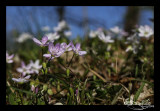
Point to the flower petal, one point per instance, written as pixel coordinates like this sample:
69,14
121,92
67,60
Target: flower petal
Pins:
9,61
47,55
27,77
15,79
78,45
82,52
51,47
37,41
44,39
11,56
19,70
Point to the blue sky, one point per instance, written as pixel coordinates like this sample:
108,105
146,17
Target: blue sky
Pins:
109,15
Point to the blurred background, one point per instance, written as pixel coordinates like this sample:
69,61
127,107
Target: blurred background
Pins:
80,19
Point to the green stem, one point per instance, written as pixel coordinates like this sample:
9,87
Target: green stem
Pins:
42,54
70,60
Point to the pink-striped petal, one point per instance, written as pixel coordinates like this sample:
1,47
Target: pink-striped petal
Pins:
37,41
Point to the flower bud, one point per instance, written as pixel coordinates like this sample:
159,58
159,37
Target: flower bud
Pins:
68,71
58,87
44,65
130,86
50,92
94,77
46,71
42,71
32,88
45,87
36,83
88,95
36,90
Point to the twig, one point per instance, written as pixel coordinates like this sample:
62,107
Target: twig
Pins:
95,73
10,87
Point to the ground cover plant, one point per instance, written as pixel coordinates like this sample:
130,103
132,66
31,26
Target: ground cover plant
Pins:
108,67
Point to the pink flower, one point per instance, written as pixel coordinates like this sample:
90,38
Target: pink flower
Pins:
42,42
9,58
77,49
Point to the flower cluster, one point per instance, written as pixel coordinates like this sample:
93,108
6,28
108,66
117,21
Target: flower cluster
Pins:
31,68
9,59
59,49
118,31
94,34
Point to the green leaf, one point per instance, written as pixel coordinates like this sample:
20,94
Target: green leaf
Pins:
12,99
24,91
138,92
83,91
41,102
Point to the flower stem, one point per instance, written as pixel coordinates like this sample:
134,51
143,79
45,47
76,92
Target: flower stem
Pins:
42,54
70,60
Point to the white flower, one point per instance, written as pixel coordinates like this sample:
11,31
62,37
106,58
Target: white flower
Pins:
116,29
145,31
92,34
21,79
35,67
52,36
23,37
9,58
24,69
68,33
46,28
61,25
106,39
57,29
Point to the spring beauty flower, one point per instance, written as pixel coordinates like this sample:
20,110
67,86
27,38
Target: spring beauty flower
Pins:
118,32
35,67
106,39
93,34
68,33
61,26
66,47
55,51
42,42
145,31
116,29
52,36
77,50
23,37
22,79
24,69
9,58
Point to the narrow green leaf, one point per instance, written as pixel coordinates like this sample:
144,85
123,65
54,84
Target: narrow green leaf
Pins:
138,92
